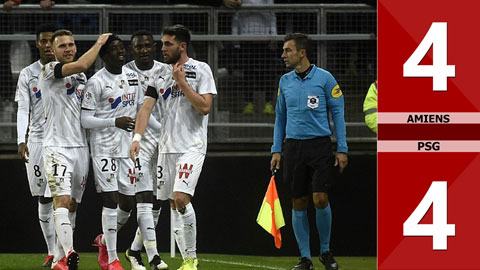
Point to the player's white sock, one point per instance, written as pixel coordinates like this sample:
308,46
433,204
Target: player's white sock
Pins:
122,218
45,217
178,231
156,215
58,253
147,227
72,216
109,226
63,228
190,231
137,243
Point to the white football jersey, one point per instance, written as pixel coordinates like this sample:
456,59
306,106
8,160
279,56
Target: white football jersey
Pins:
150,137
112,96
62,100
27,90
184,128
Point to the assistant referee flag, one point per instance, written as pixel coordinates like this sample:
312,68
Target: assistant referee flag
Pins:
270,216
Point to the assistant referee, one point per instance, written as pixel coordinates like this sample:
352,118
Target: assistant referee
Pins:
305,97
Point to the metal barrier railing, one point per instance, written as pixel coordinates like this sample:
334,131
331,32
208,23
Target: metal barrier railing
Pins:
246,65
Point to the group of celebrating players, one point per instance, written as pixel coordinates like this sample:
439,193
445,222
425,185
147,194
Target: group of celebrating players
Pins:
146,123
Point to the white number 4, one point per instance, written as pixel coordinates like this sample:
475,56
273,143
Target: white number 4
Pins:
440,71
436,195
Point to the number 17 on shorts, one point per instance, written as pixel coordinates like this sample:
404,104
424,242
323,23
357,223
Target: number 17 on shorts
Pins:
428,135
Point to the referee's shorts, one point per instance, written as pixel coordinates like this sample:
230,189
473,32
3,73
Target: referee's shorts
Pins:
308,165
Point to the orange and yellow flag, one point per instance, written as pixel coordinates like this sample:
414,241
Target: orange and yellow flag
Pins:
270,216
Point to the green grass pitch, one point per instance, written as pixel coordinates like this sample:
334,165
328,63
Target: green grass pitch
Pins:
88,261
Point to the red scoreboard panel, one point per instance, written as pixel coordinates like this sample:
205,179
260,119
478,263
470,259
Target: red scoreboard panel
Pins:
428,134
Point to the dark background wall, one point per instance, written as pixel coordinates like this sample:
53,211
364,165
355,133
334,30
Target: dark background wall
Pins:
227,200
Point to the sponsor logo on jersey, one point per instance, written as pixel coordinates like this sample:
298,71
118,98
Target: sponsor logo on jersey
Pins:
131,75
176,91
114,102
133,82
187,66
70,89
165,93
186,170
79,93
336,91
191,74
38,93
125,99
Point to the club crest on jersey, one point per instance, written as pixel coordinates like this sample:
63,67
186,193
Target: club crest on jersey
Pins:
186,170
38,93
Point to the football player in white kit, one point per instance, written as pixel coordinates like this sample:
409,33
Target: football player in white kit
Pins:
65,151
108,110
185,97
143,49
30,115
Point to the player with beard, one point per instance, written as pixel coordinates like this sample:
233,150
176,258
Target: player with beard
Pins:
185,97
30,116
108,110
143,49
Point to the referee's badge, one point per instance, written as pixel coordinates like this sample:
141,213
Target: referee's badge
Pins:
312,102
336,91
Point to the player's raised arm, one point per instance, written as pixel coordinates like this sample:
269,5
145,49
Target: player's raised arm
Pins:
143,117
85,61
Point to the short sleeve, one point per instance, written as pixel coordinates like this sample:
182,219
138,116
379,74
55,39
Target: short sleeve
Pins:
206,82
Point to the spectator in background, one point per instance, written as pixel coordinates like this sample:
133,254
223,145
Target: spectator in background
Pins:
370,107
256,56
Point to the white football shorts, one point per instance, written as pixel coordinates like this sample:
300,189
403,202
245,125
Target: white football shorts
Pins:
146,170
178,172
114,174
37,179
66,169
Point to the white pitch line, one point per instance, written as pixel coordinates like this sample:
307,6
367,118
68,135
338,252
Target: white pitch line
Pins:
242,264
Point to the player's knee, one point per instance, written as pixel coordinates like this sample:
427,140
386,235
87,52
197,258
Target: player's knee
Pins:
73,205
62,201
181,200
320,200
172,205
110,199
126,203
144,197
300,204
44,200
